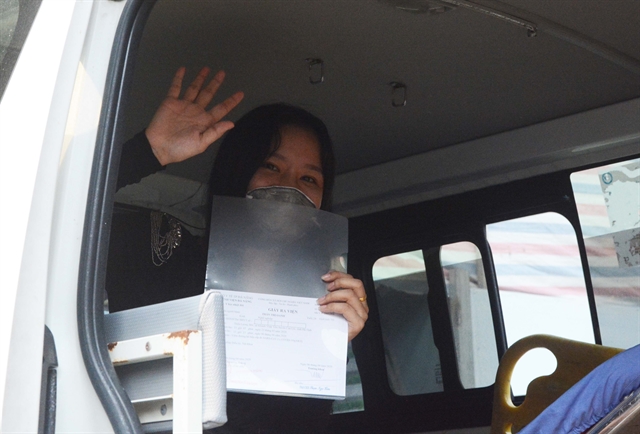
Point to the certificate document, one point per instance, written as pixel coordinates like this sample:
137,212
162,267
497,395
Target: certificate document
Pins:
266,259
283,345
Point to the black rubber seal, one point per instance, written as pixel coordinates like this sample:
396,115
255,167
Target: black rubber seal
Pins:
95,241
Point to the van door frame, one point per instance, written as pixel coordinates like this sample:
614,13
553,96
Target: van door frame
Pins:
95,243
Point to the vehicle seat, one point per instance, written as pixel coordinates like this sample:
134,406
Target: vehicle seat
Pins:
574,361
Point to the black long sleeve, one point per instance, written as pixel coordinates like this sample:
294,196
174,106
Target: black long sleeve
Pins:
132,278
137,161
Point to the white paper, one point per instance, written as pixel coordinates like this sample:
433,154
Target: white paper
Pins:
283,345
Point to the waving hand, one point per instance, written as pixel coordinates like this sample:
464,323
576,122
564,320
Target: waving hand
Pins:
182,127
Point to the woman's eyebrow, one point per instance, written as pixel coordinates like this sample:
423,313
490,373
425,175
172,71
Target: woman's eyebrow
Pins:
278,156
314,168
281,157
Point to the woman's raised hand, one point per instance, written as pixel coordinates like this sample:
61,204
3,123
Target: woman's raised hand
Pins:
346,297
182,127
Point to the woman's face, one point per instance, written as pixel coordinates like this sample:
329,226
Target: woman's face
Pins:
296,163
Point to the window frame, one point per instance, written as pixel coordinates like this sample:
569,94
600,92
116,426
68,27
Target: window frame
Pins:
97,226
427,226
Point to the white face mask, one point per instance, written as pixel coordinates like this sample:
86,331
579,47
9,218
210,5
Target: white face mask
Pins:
281,194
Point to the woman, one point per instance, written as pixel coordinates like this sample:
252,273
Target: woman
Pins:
275,145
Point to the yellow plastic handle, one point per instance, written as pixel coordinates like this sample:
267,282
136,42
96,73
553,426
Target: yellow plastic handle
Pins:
575,360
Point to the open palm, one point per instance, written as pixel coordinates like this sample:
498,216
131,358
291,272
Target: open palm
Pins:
182,127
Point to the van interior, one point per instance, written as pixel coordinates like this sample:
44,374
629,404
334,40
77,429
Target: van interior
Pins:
484,150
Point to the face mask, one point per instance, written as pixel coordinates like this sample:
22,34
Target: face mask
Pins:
281,194
283,222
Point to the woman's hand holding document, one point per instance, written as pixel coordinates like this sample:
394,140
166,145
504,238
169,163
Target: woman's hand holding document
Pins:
267,259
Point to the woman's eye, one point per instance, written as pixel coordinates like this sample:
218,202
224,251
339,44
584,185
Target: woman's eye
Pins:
270,166
309,179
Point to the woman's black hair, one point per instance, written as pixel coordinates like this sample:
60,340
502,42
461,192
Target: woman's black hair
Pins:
256,135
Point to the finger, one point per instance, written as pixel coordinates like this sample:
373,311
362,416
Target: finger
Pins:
345,281
346,296
206,95
194,88
332,275
345,310
356,323
214,132
176,83
222,109
345,288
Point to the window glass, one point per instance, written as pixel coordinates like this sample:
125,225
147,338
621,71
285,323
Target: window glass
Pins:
541,281
412,359
16,17
608,202
470,310
9,18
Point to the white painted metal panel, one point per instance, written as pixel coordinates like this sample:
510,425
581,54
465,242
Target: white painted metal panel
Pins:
49,117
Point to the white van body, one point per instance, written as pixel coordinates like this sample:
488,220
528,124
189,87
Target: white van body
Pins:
49,121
